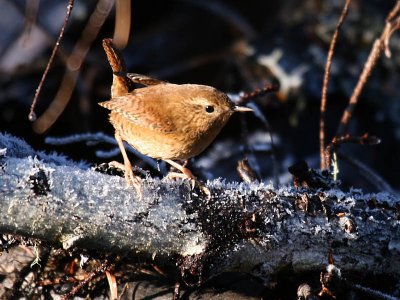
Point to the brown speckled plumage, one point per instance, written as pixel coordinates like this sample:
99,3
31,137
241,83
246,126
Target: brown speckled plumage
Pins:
170,121
163,120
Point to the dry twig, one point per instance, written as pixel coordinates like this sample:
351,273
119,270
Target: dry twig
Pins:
392,24
32,115
380,44
74,63
324,162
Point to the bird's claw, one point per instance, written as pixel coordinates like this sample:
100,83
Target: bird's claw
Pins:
130,178
192,181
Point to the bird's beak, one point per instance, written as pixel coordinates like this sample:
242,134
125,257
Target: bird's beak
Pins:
241,109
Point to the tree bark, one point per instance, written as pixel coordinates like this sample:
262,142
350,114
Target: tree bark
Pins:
241,227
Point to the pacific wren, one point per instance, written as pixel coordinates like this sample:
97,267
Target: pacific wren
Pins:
171,122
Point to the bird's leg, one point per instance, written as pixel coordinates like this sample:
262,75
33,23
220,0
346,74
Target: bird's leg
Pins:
127,166
186,173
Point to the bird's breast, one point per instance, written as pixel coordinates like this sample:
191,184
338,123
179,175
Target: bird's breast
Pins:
181,144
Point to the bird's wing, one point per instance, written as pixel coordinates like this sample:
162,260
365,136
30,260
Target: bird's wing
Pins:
142,110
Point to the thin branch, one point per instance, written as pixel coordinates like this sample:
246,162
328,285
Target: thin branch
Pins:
376,51
32,115
393,13
336,142
99,271
74,63
324,163
244,97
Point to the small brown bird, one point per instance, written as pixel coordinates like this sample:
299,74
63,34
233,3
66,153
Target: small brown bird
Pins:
171,122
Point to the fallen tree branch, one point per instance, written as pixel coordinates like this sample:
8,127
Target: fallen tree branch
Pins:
242,227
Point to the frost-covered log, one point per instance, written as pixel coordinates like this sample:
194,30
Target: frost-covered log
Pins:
242,227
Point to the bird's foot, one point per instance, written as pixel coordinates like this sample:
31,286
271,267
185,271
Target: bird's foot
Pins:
192,179
131,179
186,173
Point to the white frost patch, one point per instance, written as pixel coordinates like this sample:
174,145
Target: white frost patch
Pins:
195,246
318,229
384,197
83,260
288,80
69,240
333,269
336,193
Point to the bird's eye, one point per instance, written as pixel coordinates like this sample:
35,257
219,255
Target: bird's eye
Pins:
209,109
